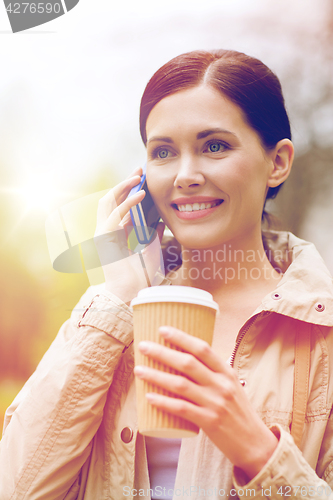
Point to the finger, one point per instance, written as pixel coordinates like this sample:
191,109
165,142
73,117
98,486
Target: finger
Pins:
233,438
197,347
180,361
179,385
123,209
136,171
117,194
181,408
126,221
116,216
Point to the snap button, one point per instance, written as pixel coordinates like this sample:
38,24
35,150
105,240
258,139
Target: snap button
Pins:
126,435
242,382
319,307
276,296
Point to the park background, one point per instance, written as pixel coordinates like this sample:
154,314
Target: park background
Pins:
69,102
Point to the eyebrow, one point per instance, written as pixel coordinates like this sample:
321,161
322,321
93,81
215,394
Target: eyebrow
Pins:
206,133
161,139
200,135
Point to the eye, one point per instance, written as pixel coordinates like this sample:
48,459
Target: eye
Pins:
162,153
215,147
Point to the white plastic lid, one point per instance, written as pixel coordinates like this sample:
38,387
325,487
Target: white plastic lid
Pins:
184,294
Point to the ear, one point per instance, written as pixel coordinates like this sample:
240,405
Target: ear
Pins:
282,159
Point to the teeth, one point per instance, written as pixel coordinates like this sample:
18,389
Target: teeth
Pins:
195,206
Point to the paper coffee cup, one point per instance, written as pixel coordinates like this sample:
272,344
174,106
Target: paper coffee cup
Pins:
189,309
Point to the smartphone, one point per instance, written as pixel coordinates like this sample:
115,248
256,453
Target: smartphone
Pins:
144,215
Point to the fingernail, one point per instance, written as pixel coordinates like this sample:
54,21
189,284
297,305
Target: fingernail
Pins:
164,331
139,371
139,193
150,397
143,346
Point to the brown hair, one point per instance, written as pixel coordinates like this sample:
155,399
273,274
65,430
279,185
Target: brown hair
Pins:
244,80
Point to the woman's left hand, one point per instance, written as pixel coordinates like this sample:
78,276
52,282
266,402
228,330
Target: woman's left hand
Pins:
213,398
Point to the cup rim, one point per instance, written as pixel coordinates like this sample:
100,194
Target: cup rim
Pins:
175,293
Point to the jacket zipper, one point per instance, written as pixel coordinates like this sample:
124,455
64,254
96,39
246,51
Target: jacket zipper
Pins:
241,335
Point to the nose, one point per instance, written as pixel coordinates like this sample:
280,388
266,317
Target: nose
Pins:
189,174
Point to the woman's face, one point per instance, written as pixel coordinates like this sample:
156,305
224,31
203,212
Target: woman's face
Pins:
201,151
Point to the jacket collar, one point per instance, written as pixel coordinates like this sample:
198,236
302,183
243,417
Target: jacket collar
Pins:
306,290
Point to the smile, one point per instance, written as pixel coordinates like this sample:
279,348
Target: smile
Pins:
197,206
196,210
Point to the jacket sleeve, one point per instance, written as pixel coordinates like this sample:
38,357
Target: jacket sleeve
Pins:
49,427
286,474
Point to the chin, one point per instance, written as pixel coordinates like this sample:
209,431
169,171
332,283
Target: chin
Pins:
196,241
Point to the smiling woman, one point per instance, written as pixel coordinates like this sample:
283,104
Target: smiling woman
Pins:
218,145
210,152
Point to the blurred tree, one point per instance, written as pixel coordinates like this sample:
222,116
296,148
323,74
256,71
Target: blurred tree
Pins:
21,316
308,83
309,184
34,299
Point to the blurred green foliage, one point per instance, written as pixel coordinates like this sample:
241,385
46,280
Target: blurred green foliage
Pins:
34,299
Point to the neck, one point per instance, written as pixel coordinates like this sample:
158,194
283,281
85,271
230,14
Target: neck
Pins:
230,267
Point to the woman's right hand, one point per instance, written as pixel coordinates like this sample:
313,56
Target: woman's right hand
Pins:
127,276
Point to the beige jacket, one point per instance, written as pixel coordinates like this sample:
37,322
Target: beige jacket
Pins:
71,433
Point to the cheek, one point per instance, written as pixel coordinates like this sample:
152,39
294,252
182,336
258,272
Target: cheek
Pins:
154,187
157,189
246,175
159,181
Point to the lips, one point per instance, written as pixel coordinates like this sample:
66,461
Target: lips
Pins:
195,209
194,199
